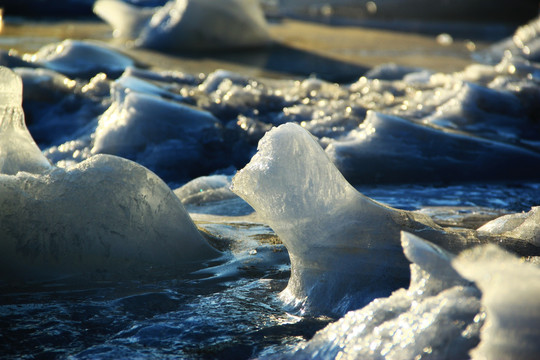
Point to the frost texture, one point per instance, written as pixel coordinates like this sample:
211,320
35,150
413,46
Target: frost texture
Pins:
435,318
189,24
510,292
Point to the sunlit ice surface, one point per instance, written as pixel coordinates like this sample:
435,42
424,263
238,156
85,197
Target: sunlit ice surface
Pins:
231,308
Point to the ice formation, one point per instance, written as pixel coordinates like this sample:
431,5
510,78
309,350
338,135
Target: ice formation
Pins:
510,295
156,132
80,58
107,217
189,24
205,189
524,226
18,151
344,247
386,148
436,317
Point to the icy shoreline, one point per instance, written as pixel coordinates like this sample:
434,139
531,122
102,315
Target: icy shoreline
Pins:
465,138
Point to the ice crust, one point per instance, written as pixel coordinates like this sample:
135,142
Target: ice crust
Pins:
105,218
385,148
189,24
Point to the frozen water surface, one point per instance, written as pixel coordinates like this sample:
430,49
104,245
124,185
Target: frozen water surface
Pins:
450,151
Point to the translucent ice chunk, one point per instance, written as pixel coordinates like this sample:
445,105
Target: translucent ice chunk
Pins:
167,136
344,247
136,119
433,318
18,151
205,189
510,292
104,218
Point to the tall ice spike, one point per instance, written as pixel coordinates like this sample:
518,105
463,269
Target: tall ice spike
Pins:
18,151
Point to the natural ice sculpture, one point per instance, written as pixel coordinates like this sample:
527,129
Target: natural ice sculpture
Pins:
18,151
80,58
344,247
510,295
189,24
525,226
433,318
106,217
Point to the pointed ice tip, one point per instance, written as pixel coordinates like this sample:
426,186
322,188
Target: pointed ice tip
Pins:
10,88
424,253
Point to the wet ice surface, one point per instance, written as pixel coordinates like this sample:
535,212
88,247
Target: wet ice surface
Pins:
231,309
236,315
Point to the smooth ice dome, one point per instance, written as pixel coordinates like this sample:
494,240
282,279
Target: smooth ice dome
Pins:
104,218
189,24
